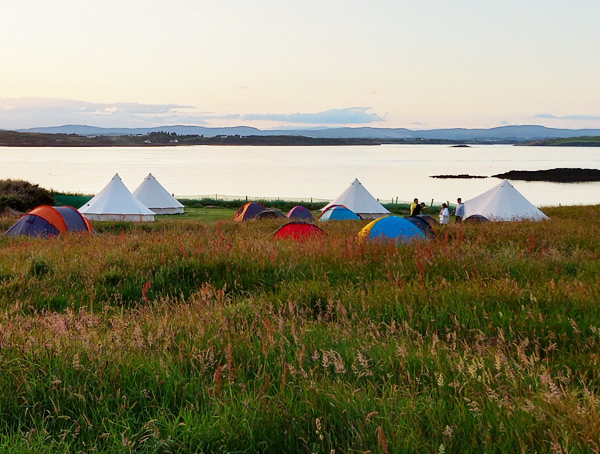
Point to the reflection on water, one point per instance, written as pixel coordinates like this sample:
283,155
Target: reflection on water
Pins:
388,171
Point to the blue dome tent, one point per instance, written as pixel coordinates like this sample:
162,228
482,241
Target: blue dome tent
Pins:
338,213
391,228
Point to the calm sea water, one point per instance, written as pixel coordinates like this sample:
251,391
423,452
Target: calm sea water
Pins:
387,171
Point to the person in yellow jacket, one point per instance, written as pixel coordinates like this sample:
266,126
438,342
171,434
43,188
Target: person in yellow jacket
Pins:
413,206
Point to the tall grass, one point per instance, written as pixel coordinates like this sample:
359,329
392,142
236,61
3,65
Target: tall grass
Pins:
193,337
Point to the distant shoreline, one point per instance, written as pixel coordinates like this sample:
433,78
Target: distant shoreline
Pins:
160,139
172,139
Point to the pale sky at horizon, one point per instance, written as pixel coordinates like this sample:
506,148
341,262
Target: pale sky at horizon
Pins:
398,64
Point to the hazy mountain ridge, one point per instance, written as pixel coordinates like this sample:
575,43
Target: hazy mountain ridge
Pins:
524,132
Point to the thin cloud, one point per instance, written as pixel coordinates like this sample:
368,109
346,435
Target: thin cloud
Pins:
568,117
69,104
30,112
347,116
17,113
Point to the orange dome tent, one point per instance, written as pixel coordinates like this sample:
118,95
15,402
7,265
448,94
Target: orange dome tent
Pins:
45,220
248,211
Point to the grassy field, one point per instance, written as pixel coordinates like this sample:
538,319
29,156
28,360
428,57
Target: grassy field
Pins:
198,334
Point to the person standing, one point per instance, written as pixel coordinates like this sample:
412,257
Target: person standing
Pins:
417,209
413,206
459,211
444,214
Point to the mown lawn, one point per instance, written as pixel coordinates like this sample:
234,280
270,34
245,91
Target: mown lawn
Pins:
198,334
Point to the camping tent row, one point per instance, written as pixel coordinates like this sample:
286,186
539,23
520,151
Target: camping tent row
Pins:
501,203
257,211
388,229
354,203
116,203
394,229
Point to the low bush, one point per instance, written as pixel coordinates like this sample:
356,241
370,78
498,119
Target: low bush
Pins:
23,196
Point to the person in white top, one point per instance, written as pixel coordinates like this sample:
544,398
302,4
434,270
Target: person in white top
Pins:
444,214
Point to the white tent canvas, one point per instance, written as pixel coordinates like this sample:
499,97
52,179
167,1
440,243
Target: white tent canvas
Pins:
359,200
153,195
116,203
503,203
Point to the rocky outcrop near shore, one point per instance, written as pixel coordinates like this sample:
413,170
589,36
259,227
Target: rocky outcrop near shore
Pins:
562,175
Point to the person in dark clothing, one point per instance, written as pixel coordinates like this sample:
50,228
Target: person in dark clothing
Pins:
417,209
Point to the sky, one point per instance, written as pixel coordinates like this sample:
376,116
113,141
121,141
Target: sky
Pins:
417,64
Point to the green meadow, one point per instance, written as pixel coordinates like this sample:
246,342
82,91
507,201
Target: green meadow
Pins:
198,334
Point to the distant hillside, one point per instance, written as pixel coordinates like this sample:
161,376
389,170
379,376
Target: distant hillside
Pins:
588,141
512,133
503,133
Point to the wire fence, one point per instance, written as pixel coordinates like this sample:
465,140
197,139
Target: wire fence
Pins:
300,200
78,200
251,198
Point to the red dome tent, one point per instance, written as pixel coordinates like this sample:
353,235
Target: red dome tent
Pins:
45,220
298,231
248,211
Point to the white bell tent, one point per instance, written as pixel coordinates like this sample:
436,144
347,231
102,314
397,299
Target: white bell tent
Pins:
360,201
116,203
503,203
152,194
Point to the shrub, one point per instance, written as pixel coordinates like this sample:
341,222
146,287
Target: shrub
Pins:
21,195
